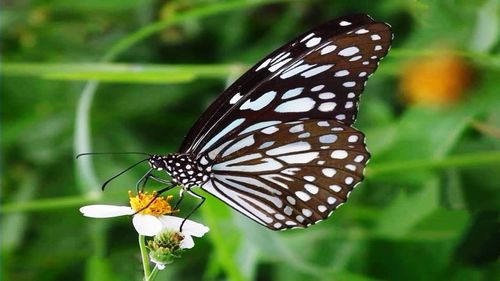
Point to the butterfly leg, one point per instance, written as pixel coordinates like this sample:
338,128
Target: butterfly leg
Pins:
160,180
195,208
181,196
142,181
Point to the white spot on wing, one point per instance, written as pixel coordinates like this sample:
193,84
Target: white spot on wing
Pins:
329,172
355,58
248,141
259,125
297,128
290,148
339,154
359,158
299,158
263,65
307,37
352,138
224,132
327,106
311,188
317,88
260,102
296,105
235,98
236,164
349,180
326,96
331,200
328,138
295,69
307,212
292,93
266,144
316,70
309,178
328,49
350,167
349,84
335,188
349,51
361,31
313,42
270,130
303,196
279,65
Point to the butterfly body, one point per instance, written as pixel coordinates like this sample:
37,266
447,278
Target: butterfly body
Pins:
278,145
182,168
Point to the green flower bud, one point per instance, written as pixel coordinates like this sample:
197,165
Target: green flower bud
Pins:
165,247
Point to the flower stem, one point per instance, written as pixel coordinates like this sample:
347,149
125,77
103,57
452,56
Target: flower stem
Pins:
145,257
153,274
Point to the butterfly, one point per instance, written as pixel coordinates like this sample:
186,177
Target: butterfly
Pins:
278,145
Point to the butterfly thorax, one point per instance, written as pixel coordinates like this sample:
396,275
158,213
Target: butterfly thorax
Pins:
183,168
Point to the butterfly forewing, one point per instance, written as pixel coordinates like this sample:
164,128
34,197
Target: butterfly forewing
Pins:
290,174
319,75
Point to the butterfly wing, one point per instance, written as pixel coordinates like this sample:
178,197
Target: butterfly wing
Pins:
319,75
288,175
279,141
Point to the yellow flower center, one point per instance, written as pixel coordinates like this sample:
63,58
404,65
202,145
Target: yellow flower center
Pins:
144,204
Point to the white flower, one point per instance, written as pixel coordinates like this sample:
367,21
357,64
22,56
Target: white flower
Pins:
151,221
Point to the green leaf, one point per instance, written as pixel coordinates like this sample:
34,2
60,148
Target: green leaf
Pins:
15,225
407,209
99,268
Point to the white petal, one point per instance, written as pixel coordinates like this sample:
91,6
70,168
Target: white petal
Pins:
190,227
187,242
147,225
106,211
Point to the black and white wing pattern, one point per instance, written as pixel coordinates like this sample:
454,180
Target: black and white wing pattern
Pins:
279,141
291,174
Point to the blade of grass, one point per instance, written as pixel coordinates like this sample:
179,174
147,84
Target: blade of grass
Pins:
46,204
119,72
485,158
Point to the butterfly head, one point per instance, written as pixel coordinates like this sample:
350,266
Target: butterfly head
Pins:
157,162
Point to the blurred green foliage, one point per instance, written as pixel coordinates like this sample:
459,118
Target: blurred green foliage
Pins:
429,208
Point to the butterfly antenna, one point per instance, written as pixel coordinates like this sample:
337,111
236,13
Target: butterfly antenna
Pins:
110,153
121,173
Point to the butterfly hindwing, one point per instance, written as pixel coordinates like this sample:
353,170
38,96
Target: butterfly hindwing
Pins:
286,175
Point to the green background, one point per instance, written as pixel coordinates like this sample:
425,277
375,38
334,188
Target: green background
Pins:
428,210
